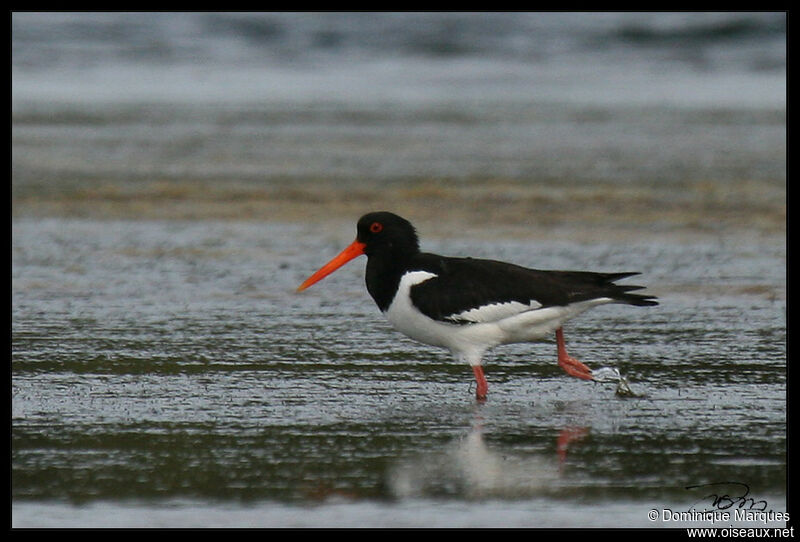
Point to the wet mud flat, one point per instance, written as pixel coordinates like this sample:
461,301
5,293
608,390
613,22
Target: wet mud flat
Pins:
172,362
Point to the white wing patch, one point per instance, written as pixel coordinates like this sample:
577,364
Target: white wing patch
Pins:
493,312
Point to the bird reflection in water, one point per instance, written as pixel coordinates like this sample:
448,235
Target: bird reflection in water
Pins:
468,467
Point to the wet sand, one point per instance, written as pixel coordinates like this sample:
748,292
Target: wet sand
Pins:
483,209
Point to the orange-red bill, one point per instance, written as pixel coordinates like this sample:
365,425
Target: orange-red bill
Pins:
355,249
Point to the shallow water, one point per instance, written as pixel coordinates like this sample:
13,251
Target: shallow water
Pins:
166,373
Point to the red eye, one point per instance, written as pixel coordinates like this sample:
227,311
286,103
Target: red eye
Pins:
376,227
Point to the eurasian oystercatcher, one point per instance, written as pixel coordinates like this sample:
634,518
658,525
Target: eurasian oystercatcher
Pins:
471,305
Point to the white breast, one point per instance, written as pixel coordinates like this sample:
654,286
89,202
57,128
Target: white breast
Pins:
406,318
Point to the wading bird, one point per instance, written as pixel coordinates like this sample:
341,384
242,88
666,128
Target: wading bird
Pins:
470,305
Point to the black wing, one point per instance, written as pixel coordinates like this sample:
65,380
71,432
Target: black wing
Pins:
468,290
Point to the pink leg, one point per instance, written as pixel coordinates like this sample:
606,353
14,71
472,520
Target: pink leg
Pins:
572,366
483,386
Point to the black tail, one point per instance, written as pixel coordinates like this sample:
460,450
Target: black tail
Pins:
602,285
620,292
637,299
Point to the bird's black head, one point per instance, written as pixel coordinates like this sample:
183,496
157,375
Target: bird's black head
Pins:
386,236
383,232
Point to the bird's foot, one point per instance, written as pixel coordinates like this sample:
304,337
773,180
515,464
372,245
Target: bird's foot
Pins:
575,368
572,366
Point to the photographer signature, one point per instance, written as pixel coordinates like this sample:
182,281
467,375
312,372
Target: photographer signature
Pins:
724,501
